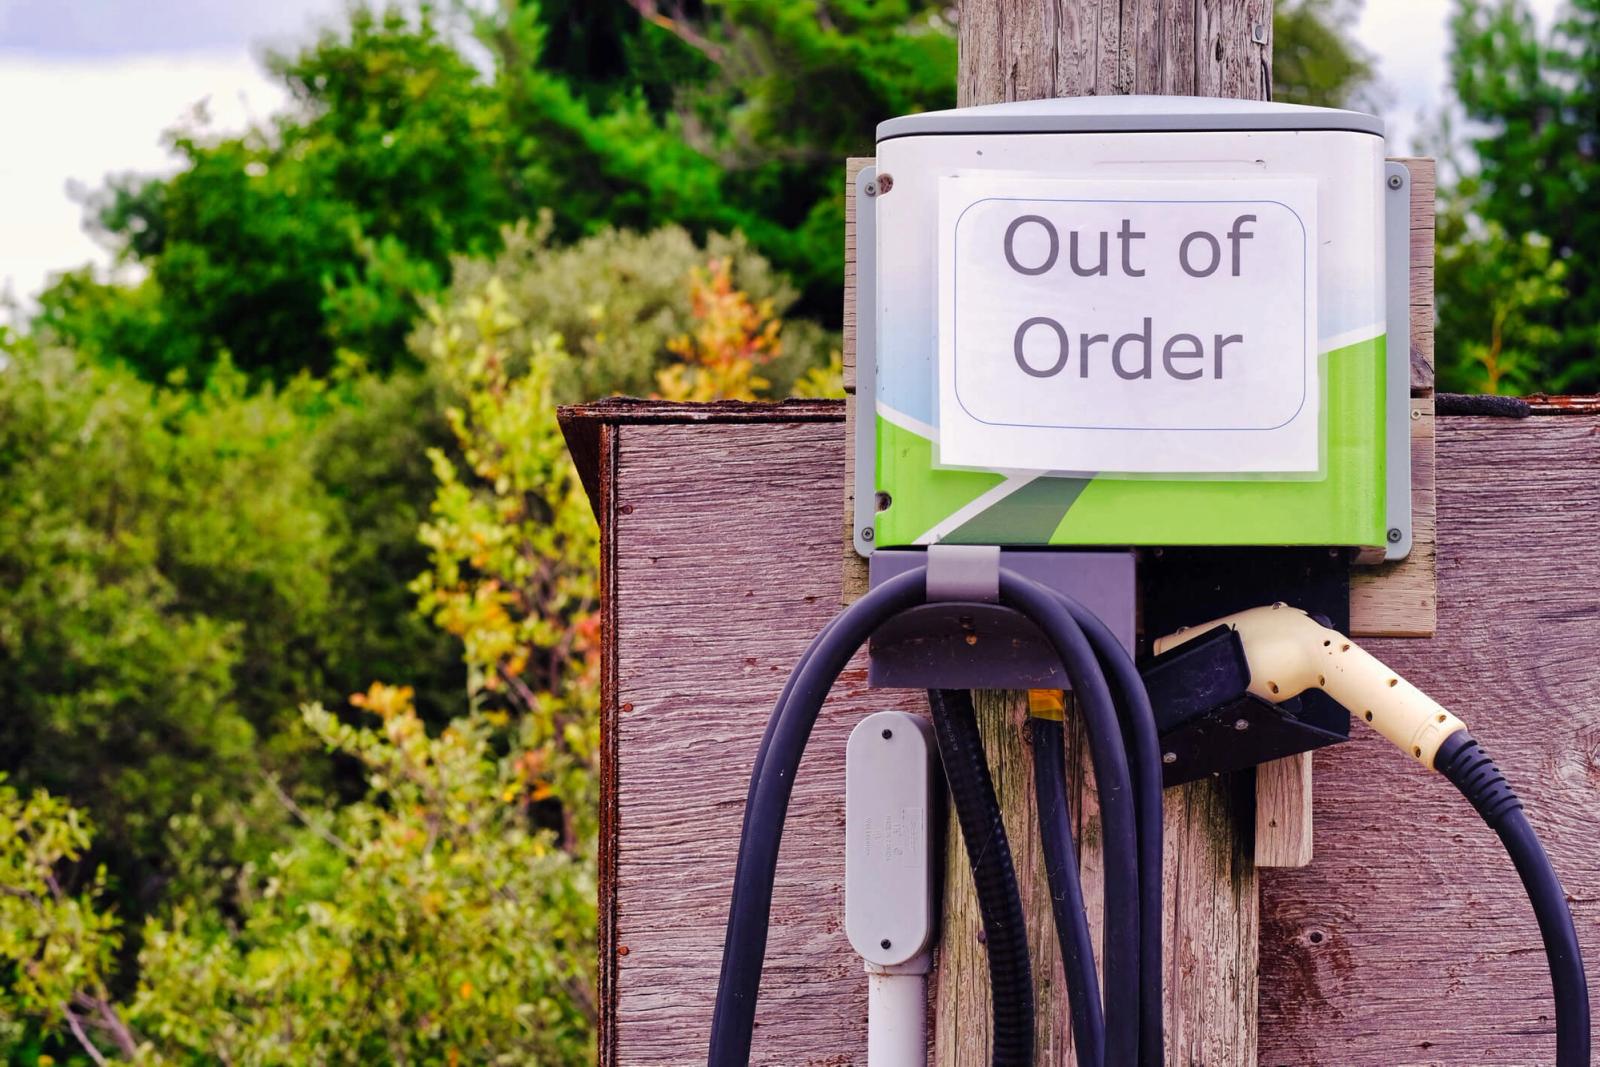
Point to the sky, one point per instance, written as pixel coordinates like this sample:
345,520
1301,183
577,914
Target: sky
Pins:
88,87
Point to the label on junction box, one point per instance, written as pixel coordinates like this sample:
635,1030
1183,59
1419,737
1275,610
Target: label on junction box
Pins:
1139,327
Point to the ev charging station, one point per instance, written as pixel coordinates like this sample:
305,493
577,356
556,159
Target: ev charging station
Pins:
1123,364
1133,321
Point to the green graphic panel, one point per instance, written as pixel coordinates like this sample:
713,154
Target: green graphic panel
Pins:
1343,507
920,497
1028,516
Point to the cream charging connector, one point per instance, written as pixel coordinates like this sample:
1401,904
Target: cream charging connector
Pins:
1289,652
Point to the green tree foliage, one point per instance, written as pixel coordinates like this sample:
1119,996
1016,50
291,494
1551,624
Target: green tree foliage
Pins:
1315,58
284,526
1522,292
119,691
321,230
616,301
429,922
1496,298
315,232
179,569
447,914
57,948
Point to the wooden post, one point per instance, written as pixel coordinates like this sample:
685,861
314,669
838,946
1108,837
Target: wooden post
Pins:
1032,49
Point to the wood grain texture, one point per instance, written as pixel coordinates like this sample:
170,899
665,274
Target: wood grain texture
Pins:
719,585
605,456
1424,181
1411,904
1283,812
855,567
1032,50
1400,599
847,345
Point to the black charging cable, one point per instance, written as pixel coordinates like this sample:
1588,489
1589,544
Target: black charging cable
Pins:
1117,724
1143,743
1066,890
772,783
1462,760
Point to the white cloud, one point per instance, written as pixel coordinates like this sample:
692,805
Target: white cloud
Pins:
82,95
121,27
67,121
1411,39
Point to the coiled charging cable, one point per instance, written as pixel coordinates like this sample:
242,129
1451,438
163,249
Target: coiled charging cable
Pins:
1284,660
772,783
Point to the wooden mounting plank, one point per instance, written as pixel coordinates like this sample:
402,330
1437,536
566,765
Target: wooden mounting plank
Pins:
698,642
855,567
1424,180
705,613
1400,599
1392,599
1411,902
1283,812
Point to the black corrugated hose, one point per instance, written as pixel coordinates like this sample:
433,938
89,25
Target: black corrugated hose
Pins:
1005,931
778,761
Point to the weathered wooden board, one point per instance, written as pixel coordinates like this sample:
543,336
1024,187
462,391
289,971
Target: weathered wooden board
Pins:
1283,812
1409,899
1400,599
714,586
725,546
1408,940
1424,180
855,567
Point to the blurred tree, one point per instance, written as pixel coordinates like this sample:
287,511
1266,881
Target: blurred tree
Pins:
320,230
616,300
1496,295
314,233
1315,56
1523,282
179,569
733,337
429,922
446,913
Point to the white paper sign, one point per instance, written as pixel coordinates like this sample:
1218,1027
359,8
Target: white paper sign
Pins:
1128,326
